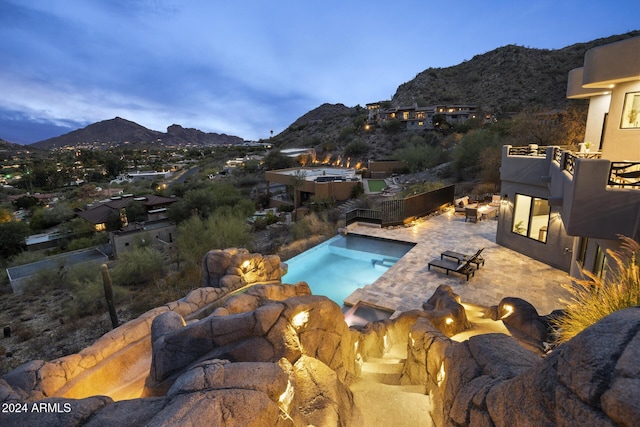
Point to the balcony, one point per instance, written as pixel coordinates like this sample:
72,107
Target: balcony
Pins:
595,197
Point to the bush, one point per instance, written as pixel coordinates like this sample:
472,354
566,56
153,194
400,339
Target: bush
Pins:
138,267
596,298
262,222
311,225
356,148
87,288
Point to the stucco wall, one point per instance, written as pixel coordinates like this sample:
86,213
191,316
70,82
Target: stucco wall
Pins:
621,144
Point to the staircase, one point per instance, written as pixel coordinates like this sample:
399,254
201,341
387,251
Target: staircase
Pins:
383,264
381,398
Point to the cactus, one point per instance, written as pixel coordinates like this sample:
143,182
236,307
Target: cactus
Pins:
108,293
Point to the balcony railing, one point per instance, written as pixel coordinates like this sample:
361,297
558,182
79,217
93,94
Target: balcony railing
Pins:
625,175
569,163
530,150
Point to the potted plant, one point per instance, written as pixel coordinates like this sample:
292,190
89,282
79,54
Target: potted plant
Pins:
587,146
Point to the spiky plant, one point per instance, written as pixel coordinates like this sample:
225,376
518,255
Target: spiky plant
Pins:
596,298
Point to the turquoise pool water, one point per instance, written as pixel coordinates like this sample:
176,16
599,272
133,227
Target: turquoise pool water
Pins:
343,264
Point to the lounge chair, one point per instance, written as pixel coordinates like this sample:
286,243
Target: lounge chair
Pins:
453,266
472,214
460,257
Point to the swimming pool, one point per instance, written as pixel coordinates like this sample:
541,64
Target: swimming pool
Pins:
344,263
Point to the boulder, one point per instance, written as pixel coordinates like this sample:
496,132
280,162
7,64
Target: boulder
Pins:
214,266
590,380
446,313
325,400
134,412
523,323
220,408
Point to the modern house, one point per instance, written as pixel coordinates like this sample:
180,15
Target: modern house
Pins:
99,215
335,184
567,206
160,234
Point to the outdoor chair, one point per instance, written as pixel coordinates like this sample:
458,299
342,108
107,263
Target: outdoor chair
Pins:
460,257
472,214
452,266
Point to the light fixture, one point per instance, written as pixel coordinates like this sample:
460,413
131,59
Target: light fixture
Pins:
509,311
300,319
449,320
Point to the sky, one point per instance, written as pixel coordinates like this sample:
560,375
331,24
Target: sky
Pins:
250,67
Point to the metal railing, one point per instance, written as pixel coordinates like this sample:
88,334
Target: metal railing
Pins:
395,212
625,175
529,150
569,163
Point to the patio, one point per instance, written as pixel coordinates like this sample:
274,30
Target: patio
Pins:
408,284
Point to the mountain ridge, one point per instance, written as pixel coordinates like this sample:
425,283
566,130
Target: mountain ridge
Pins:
119,131
505,80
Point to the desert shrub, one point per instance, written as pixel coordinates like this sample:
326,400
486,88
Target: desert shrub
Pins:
356,148
421,187
391,127
294,248
311,225
597,298
419,157
357,191
196,236
262,222
45,280
139,266
87,288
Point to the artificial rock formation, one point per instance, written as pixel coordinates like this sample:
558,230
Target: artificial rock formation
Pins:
268,331
276,355
491,380
234,268
445,312
524,323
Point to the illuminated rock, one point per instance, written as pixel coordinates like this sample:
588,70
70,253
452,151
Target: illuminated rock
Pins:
234,268
523,323
446,313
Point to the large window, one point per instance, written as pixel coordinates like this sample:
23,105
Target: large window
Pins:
531,217
582,251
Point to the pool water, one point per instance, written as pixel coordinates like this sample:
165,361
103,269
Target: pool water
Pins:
343,264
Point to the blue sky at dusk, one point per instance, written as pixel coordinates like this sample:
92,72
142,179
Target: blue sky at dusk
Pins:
245,68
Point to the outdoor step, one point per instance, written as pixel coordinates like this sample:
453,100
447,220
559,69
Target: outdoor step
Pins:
382,368
385,263
381,378
392,405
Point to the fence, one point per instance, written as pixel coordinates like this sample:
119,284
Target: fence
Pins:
400,211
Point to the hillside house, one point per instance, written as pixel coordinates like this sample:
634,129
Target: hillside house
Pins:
334,184
160,234
417,118
566,206
100,214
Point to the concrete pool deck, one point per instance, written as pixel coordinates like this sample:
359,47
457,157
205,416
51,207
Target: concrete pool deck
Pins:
506,273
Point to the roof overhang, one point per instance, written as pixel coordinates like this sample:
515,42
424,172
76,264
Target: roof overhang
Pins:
608,65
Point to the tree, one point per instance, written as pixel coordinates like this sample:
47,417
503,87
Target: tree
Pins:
12,238
276,160
420,157
197,236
